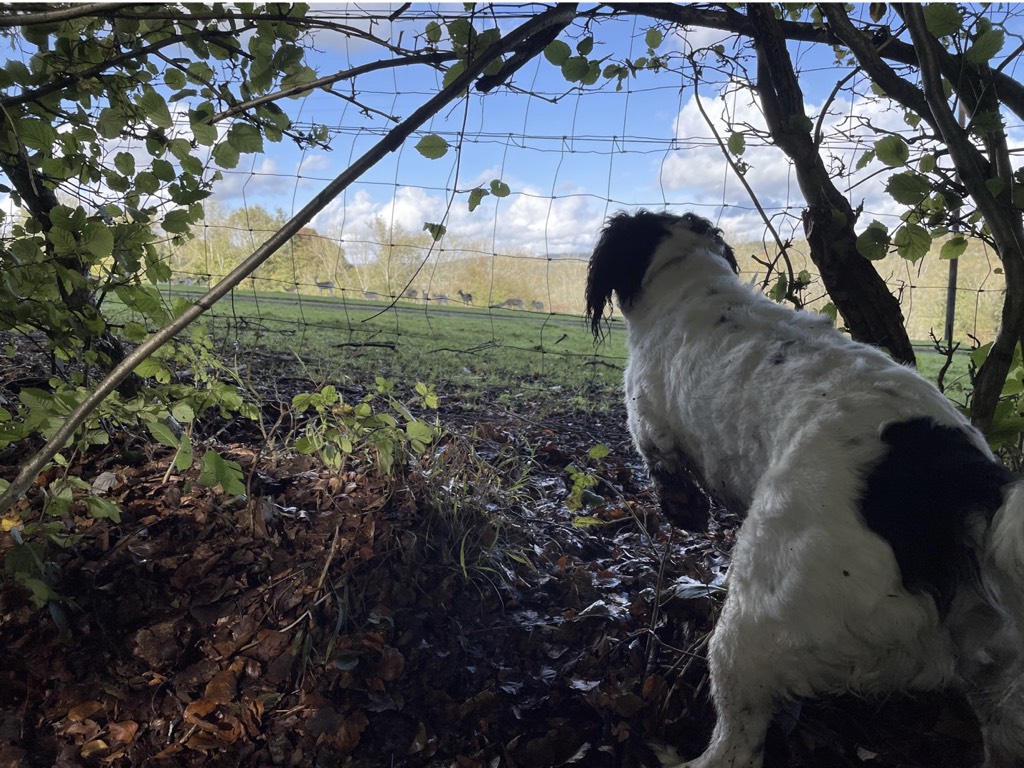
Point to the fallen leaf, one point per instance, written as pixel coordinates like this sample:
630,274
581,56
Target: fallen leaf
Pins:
223,685
80,712
90,748
124,731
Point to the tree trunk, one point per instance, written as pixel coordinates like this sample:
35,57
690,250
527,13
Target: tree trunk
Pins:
871,312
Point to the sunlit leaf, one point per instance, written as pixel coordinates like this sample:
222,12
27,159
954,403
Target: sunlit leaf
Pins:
912,241
893,151
432,146
557,52
986,46
953,248
943,18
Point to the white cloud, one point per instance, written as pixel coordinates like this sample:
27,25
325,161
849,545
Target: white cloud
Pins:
700,170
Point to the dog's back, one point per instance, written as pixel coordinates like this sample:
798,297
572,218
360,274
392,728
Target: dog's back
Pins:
884,545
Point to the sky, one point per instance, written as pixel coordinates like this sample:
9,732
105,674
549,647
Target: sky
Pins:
569,156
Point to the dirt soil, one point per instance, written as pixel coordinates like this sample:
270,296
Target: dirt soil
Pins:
453,615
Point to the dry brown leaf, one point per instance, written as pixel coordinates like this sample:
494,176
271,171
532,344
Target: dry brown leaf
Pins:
80,712
223,685
391,665
91,748
124,731
197,710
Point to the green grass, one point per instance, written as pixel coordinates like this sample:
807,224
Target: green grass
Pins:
474,354
471,353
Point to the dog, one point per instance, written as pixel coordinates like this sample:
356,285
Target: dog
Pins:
882,544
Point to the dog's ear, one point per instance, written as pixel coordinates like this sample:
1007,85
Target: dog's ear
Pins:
623,253
701,226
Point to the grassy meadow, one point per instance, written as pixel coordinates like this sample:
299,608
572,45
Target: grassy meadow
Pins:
523,337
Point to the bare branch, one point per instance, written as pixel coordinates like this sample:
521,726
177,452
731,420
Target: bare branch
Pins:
60,14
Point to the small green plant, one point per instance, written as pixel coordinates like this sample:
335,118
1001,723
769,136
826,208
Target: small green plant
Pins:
583,480
338,431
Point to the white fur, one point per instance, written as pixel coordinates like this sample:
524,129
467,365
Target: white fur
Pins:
815,601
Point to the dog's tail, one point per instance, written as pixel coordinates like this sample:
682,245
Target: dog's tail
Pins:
1004,548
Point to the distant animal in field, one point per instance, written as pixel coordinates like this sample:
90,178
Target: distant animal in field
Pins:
371,295
325,286
513,304
440,298
466,298
537,305
410,293
882,548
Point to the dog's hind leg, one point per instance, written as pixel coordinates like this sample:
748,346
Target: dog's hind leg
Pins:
745,694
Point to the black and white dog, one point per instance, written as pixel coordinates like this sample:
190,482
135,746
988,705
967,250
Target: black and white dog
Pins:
882,547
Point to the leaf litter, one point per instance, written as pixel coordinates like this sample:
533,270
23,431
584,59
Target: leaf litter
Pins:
451,615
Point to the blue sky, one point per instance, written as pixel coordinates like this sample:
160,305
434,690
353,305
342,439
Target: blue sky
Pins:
567,163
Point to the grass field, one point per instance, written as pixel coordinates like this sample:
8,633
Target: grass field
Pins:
464,352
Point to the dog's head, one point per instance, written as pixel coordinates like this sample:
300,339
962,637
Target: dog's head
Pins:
626,249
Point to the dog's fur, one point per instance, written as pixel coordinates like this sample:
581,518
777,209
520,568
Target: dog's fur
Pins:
882,547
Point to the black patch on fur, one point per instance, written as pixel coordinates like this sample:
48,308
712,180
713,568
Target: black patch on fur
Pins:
780,355
918,498
624,252
679,487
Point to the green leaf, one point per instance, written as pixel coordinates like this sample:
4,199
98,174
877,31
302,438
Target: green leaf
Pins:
163,170
873,242
912,241
585,521
893,151
654,38
575,69
225,155
909,188
98,239
452,73
943,19
155,110
174,79
437,231
151,368
110,123
599,451
37,134
585,46
177,221
183,457
737,143
953,247
557,52
125,163
499,188
245,138
216,470
433,32
780,289
162,433
432,146
97,507
985,46
475,196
